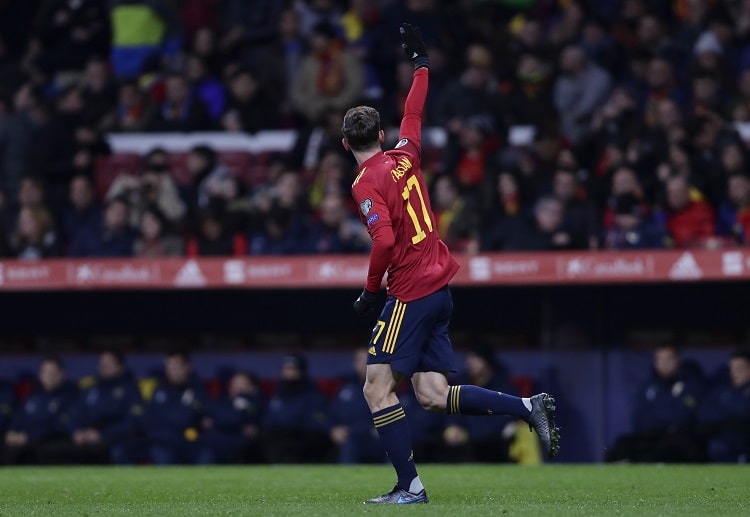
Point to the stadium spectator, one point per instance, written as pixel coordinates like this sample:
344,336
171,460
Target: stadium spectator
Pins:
580,217
471,154
472,438
733,218
102,421
212,237
132,112
7,410
44,417
664,413
690,219
83,213
352,430
113,238
70,33
211,185
724,415
295,427
282,214
153,187
336,230
156,240
455,215
543,230
530,98
35,237
581,88
330,76
632,229
250,28
332,176
171,423
232,424
181,110
249,109
314,142
205,86
98,91
475,92
142,31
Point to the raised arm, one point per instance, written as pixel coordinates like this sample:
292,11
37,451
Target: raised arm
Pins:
416,50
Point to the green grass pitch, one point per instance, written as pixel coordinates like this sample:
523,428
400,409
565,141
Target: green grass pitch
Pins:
456,490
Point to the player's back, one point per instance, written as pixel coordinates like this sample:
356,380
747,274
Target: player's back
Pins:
421,263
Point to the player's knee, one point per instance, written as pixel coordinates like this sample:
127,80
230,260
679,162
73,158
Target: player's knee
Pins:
432,400
375,393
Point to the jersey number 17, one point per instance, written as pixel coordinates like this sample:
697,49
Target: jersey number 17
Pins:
412,184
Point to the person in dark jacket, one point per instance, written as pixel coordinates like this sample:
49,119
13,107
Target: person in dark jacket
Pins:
295,428
45,416
632,228
541,231
171,422
114,238
724,415
103,420
352,429
474,438
232,424
664,413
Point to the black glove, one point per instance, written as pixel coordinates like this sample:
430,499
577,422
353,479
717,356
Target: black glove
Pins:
414,47
365,302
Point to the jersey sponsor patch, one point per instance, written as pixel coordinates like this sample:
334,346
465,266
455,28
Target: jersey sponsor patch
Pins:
401,143
373,218
366,206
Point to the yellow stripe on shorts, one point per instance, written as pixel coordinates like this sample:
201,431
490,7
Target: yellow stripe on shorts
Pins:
394,326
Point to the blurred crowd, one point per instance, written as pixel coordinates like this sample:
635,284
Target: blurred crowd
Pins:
571,124
682,414
174,417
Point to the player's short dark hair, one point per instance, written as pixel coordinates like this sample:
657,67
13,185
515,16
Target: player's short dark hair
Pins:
361,127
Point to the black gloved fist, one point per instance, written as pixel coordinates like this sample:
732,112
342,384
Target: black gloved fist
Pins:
365,302
414,47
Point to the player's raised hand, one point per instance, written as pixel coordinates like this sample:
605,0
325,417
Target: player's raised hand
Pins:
365,303
414,47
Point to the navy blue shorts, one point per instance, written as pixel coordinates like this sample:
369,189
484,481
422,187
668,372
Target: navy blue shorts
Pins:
413,337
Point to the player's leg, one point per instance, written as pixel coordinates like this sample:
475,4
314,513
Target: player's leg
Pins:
389,360
433,392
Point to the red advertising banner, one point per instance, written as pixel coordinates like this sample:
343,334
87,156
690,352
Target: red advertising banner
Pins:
316,272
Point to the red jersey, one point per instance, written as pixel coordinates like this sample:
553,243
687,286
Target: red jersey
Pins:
395,206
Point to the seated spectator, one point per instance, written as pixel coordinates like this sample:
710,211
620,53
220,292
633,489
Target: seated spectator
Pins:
580,89
632,229
690,219
664,413
295,428
171,423
154,187
211,185
476,438
84,213
332,176
542,231
133,111
114,237
580,217
312,143
281,233
232,424
337,231
44,417
248,109
205,86
455,215
98,92
330,76
733,217
212,239
35,237
352,429
103,419
472,152
180,111
155,239
724,415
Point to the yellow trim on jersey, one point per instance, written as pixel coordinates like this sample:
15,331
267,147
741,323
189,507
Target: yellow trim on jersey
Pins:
394,326
389,418
359,176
